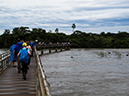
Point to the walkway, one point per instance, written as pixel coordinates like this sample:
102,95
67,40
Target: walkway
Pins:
12,83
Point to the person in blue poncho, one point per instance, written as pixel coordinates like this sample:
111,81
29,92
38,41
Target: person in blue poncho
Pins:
32,46
18,47
11,55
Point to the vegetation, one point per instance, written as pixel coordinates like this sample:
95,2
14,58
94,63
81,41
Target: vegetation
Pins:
77,39
73,26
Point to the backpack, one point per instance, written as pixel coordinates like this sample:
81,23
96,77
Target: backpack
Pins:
24,56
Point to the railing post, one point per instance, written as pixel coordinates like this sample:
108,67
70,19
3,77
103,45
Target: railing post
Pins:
41,51
1,66
61,49
55,49
49,50
66,48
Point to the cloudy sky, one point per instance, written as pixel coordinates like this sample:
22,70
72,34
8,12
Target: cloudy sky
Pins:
93,16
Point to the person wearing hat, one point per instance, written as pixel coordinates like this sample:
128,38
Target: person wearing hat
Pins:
23,57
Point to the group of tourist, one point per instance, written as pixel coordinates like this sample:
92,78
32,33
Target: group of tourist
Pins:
21,53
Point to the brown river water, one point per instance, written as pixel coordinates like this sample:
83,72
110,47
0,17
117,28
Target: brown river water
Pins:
88,72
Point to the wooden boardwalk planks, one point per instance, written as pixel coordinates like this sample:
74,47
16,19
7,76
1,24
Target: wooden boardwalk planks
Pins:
12,83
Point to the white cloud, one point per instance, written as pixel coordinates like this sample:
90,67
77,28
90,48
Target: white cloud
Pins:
108,29
51,14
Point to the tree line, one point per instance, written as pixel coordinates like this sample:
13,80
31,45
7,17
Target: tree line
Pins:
78,39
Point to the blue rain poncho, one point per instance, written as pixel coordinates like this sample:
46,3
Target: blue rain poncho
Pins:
11,53
18,47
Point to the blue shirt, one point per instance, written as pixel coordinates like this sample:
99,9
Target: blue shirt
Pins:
32,45
23,49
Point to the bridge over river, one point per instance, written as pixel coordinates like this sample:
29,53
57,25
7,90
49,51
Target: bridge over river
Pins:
36,84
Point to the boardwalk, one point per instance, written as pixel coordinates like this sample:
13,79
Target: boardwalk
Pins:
12,83
36,84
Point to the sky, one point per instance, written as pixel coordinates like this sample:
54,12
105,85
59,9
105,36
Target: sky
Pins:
93,16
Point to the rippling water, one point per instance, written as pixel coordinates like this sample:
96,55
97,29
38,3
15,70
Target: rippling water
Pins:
3,50
91,72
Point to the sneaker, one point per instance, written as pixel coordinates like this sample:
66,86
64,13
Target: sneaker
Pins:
24,76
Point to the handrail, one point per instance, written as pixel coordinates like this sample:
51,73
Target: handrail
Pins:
54,45
43,87
4,57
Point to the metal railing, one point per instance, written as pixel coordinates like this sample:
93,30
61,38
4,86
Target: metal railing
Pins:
4,57
54,45
43,87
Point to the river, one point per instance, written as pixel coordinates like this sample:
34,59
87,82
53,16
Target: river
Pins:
88,72
3,50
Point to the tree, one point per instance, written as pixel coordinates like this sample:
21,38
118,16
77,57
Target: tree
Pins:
50,31
56,30
16,31
7,31
77,38
23,30
102,33
77,32
20,30
73,26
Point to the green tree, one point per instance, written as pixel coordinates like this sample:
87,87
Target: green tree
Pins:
73,26
7,31
57,30
77,38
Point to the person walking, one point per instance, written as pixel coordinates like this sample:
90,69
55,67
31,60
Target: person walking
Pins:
11,55
30,49
23,57
32,46
16,51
